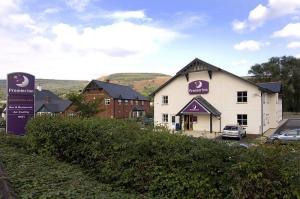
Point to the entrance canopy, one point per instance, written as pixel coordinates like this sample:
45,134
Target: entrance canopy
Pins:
199,105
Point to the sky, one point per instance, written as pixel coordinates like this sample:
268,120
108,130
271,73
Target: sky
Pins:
86,39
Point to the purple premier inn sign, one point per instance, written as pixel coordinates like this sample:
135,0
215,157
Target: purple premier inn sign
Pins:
194,107
20,101
198,87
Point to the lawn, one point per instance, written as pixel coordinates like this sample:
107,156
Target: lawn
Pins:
34,176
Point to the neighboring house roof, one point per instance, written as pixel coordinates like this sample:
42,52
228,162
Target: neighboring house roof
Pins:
205,104
117,91
272,86
199,65
46,101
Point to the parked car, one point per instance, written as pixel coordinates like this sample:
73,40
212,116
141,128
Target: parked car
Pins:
233,131
285,136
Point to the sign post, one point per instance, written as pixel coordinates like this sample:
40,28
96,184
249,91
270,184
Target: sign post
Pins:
20,102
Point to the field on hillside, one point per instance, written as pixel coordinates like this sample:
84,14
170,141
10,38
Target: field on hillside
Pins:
60,87
145,83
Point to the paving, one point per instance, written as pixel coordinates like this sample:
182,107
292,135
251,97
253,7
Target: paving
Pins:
289,124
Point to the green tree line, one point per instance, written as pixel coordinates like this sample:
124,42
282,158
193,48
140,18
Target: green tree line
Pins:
285,69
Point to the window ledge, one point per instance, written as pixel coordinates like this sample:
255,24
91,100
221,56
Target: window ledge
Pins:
242,103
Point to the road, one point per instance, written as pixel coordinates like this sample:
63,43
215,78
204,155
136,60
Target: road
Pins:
290,124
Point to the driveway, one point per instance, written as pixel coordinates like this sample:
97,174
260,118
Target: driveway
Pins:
289,124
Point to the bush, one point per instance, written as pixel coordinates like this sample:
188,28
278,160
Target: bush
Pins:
2,123
159,164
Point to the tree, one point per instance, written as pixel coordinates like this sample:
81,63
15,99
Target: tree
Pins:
284,69
84,107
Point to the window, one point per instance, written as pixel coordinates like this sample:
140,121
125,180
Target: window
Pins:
142,103
242,96
107,101
136,102
131,101
173,119
242,119
126,102
165,117
292,133
165,99
119,102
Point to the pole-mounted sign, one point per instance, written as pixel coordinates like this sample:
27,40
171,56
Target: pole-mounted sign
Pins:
20,101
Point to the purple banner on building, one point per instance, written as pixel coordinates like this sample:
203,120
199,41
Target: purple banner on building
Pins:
198,87
194,107
20,101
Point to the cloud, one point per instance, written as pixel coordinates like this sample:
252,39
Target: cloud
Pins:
8,5
78,5
294,44
238,26
70,49
250,45
127,15
290,30
298,56
260,14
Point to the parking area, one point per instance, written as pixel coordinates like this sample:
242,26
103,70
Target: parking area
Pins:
289,124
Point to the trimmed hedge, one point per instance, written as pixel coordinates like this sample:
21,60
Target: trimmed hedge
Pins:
163,165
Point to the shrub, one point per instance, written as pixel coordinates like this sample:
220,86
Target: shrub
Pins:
159,164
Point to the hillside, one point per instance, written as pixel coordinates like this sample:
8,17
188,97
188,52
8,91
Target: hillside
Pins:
59,87
145,83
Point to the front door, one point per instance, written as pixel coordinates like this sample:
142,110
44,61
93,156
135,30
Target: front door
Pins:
188,122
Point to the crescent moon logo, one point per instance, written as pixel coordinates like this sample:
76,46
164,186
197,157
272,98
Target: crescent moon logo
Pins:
198,84
195,107
24,83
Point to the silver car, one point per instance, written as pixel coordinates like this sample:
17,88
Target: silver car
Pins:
233,131
286,136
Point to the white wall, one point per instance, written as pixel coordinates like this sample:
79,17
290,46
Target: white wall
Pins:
222,95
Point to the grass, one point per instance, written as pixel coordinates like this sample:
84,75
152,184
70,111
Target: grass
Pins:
34,176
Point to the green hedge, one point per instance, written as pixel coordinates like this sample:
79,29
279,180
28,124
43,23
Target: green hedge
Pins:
163,165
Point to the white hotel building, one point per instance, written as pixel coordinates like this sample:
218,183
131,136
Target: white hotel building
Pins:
203,97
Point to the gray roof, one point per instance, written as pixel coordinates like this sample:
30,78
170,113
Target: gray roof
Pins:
272,86
50,102
209,67
206,105
117,91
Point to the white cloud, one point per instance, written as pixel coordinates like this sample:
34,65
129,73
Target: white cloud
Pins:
275,8
126,15
290,30
298,56
51,11
294,44
78,5
238,26
250,45
8,5
63,47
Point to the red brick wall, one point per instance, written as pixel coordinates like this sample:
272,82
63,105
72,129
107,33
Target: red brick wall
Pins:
114,110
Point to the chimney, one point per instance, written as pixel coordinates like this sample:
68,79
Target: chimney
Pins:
39,88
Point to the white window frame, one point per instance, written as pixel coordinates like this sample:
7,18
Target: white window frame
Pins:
242,121
165,117
243,97
165,99
120,102
107,101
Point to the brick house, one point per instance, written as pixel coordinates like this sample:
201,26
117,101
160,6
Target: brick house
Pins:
116,101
